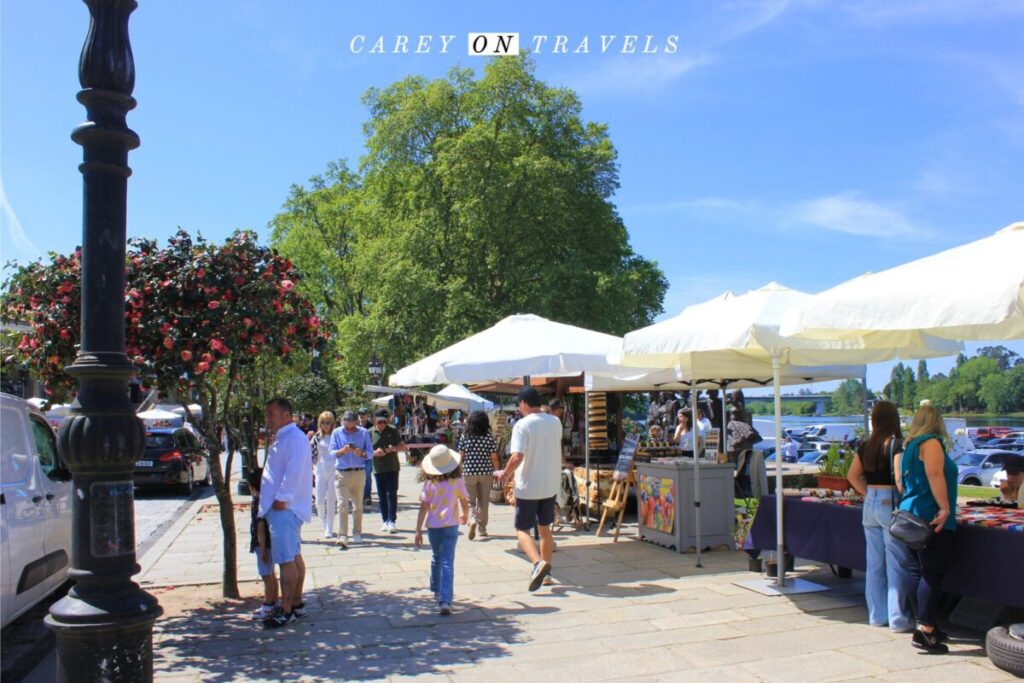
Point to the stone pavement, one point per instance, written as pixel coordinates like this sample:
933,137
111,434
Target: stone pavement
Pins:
625,610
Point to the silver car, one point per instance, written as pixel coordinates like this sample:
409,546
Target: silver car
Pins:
978,467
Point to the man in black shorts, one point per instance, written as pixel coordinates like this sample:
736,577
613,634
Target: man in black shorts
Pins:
536,462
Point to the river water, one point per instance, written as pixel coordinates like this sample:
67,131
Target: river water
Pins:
972,421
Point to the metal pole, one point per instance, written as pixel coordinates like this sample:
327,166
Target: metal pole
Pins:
780,556
104,626
586,451
696,465
864,403
725,420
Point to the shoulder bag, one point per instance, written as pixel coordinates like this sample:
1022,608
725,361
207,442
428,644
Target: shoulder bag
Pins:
916,533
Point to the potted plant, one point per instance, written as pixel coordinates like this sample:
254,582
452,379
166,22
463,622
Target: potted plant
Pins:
834,468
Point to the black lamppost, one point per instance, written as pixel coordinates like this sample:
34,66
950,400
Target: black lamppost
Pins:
376,369
104,626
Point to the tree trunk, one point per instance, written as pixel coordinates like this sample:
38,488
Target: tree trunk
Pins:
229,582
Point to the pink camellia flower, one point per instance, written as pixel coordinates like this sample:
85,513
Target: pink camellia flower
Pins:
202,367
287,285
314,322
213,304
247,322
168,343
186,356
201,273
65,333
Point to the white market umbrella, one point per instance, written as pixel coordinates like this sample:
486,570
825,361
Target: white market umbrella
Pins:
734,336
971,292
156,414
518,346
457,391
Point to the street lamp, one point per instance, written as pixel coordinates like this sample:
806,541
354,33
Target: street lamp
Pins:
104,626
376,369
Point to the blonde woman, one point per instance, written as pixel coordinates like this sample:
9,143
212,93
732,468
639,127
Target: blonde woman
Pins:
927,479
325,460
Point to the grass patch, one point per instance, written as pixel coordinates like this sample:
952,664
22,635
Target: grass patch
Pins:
976,492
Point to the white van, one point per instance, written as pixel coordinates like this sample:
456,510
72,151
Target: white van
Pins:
834,431
35,500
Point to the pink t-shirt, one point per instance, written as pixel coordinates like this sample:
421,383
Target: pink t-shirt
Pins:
442,503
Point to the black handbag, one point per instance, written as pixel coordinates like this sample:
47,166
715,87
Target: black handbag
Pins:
914,532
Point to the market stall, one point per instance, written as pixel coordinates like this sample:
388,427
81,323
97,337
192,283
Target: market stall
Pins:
986,564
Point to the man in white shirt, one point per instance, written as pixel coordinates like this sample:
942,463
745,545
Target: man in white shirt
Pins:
536,461
790,450
286,498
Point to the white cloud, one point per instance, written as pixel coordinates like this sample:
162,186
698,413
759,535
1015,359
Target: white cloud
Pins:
13,230
848,213
631,73
851,214
928,11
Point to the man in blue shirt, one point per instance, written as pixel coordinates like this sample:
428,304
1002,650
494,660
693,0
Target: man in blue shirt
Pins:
353,446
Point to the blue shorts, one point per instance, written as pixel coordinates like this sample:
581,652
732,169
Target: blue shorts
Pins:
264,568
285,539
531,513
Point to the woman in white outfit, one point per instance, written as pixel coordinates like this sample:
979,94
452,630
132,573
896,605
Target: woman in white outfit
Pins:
326,498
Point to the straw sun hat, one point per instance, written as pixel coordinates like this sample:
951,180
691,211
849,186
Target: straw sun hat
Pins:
441,460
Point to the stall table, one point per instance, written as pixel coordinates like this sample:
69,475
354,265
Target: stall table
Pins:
665,500
986,562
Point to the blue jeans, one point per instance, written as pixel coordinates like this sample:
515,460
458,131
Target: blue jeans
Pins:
890,579
387,494
442,564
368,487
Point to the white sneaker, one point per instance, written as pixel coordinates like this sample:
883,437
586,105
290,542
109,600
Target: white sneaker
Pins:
385,527
264,611
329,534
357,538
391,528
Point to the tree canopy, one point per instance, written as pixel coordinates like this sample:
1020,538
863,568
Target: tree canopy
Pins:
476,198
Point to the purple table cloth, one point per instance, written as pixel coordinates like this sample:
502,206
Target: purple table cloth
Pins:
986,561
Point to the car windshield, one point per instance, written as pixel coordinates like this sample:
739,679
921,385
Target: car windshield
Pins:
159,442
811,457
970,459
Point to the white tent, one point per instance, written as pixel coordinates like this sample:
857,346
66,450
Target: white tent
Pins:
672,380
457,391
434,399
736,336
520,345
971,292
158,415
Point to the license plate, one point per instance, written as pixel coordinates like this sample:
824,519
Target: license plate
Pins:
143,463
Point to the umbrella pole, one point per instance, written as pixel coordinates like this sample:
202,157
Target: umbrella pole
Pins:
864,386
779,541
586,453
696,468
725,420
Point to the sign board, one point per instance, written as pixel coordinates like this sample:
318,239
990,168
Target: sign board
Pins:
711,443
624,464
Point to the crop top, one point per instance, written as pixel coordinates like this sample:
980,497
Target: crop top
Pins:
882,477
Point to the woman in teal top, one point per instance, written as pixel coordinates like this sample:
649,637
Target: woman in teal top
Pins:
927,481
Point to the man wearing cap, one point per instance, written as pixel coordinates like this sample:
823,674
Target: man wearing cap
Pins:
352,444
536,461
387,442
364,421
1011,490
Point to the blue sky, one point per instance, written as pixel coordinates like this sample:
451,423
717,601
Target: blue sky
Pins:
799,141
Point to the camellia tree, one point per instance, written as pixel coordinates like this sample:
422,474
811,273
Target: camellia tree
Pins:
198,316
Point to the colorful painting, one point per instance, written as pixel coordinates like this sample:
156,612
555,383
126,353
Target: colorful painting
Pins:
658,503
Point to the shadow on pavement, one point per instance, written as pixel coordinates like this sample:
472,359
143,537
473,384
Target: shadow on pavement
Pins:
351,633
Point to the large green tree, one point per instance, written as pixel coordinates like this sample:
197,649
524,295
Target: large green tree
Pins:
476,198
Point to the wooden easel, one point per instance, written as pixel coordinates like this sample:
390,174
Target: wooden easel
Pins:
616,502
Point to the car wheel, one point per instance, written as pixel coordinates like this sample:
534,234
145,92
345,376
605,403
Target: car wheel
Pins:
1005,651
189,484
971,481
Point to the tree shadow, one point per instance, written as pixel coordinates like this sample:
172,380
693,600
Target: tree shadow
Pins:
351,633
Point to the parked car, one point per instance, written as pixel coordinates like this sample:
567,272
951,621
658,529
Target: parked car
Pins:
977,468
173,457
1009,443
35,499
812,458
